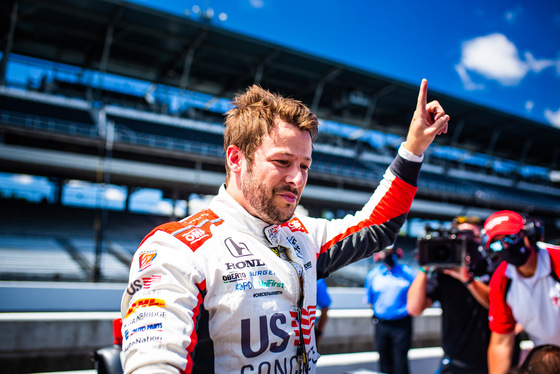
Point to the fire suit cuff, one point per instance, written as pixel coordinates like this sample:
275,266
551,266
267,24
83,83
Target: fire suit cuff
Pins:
407,155
405,169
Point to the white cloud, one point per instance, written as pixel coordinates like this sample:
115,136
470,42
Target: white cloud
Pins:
529,105
538,65
495,57
553,117
466,79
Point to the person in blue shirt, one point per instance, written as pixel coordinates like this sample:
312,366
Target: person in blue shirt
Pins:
323,303
386,289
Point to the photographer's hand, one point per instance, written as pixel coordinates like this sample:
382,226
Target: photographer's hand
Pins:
460,273
478,289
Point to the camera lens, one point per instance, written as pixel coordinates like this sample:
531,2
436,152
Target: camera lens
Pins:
442,252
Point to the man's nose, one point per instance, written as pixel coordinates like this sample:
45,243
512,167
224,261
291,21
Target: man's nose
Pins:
296,176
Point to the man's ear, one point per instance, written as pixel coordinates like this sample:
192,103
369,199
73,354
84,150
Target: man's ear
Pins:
234,158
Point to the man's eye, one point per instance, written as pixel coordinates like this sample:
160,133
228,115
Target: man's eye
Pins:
305,167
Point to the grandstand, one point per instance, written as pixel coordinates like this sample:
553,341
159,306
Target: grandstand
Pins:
109,101
113,119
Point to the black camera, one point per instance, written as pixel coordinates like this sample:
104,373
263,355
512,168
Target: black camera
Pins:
445,248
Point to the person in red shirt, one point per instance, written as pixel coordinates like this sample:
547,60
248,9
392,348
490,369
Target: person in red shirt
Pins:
524,289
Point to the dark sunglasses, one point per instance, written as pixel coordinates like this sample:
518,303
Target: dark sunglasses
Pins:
500,245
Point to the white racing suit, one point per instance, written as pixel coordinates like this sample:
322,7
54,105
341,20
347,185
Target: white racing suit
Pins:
208,295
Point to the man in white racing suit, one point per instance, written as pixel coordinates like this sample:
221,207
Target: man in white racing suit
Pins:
232,289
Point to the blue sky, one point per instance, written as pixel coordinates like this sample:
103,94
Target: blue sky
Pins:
500,54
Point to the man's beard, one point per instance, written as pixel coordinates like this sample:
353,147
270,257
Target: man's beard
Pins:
256,193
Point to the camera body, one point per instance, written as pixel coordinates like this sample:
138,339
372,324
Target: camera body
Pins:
446,248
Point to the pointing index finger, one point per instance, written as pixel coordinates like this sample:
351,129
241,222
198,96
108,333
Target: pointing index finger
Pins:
422,95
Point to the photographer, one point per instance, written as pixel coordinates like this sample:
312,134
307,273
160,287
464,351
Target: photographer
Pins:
462,290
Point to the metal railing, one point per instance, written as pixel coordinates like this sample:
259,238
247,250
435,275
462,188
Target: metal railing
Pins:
40,123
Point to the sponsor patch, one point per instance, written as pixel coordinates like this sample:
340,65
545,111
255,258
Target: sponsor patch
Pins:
244,264
143,303
158,326
145,259
140,340
269,283
150,281
141,316
271,233
237,249
234,277
196,230
295,225
267,293
146,283
307,324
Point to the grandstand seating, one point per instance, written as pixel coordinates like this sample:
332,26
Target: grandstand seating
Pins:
24,257
44,109
171,137
83,91
67,244
34,246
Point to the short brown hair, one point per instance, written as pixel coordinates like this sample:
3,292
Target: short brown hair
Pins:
542,359
255,111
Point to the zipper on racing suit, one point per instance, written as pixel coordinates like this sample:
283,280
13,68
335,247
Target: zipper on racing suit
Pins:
301,352
302,358
284,253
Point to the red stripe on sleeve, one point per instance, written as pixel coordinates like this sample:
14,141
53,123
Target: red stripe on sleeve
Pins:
396,201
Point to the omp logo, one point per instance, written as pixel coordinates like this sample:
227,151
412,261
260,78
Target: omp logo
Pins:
195,235
145,260
237,250
144,303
